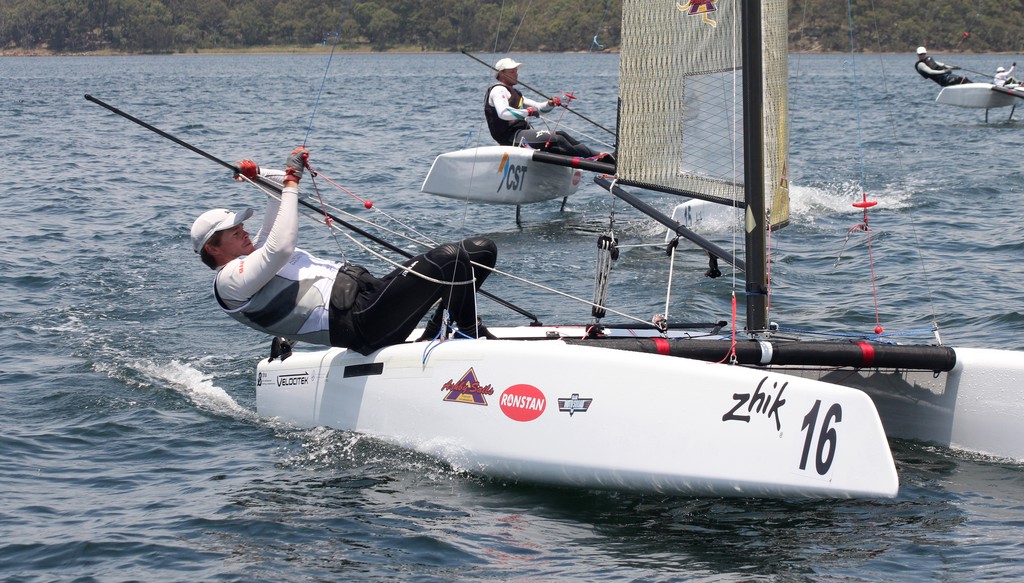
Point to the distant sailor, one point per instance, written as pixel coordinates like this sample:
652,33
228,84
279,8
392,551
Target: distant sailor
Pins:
273,286
507,112
1003,76
941,73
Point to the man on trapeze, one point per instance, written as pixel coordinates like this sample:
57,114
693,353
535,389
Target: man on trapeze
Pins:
507,112
273,286
941,73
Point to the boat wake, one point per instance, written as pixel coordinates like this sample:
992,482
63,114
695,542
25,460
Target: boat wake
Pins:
198,387
810,202
368,459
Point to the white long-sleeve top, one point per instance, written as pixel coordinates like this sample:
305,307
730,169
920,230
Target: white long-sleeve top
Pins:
279,288
1000,78
499,97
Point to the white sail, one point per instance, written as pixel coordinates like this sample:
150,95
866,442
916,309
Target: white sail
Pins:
680,94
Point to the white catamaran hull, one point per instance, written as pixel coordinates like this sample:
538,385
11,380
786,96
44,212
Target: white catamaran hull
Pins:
499,175
549,412
980,95
975,407
701,215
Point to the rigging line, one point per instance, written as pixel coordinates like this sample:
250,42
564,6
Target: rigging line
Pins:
367,204
426,245
967,32
737,151
335,221
600,47
323,217
889,111
319,218
312,116
337,37
325,220
521,21
497,31
273,189
736,99
856,99
559,123
864,204
671,270
578,114
567,295
837,334
267,183
323,209
799,41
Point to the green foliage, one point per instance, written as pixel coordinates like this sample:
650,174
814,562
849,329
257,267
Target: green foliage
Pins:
474,25
900,26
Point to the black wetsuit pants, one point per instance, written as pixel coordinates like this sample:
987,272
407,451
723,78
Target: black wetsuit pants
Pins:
558,142
388,309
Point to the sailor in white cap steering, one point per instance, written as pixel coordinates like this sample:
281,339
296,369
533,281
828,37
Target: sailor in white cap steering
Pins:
507,112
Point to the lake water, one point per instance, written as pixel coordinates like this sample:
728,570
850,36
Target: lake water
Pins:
130,448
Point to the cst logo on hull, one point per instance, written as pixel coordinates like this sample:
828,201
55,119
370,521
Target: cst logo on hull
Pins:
513,176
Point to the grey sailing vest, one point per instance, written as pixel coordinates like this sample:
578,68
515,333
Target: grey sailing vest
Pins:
294,304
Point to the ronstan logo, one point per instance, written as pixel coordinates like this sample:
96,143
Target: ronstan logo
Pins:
522,402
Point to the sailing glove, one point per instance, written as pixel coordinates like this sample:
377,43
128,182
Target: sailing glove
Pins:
297,162
532,112
247,168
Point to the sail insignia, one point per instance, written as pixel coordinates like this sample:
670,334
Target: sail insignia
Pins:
699,7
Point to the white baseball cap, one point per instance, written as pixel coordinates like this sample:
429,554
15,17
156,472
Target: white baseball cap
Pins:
210,222
921,50
506,63
1000,69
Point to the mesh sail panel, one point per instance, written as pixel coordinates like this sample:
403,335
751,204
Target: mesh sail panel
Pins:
681,116
775,28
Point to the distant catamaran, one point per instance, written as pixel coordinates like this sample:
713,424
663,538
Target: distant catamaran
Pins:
983,96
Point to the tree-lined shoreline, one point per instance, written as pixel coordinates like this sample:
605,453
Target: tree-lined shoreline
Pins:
97,27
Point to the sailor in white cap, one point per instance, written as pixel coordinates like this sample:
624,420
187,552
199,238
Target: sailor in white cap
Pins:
1004,76
507,112
941,73
505,107
273,286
